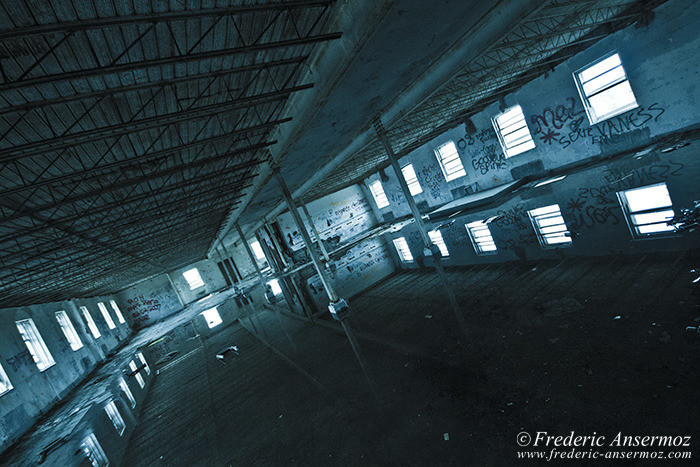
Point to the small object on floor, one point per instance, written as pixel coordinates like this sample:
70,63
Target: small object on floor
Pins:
428,316
618,317
224,353
446,436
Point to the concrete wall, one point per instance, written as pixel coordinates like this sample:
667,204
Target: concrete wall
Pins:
211,276
662,66
34,391
149,301
338,218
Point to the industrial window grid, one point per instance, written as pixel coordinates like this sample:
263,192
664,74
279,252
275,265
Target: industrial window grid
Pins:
212,317
144,363
409,174
93,451
194,280
513,133
604,88
403,250
5,383
35,344
90,322
106,316
436,238
127,392
116,417
449,161
378,194
69,330
117,312
648,210
481,238
137,373
550,226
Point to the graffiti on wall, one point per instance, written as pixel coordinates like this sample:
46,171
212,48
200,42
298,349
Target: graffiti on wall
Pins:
141,308
433,178
489,158
566,124
20,359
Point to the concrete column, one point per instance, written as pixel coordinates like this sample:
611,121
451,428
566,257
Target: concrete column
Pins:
320,268
177,292
227,276
313,229
421,225
263,283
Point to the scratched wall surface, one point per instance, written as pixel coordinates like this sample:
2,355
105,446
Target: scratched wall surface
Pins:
662,66
338,218
149,301
34,391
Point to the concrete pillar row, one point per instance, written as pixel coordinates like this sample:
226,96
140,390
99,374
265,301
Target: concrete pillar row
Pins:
421,225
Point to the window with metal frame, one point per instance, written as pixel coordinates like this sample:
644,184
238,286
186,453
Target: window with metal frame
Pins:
436,238
94,452
90,322
604,89
513,133
106,316
212,317
117,312
550,226
144,363
481,237
5,383
194,280
116,417
378,194
411,180
449,161
69,330
648,210
137,373
403,250
127,392
35,344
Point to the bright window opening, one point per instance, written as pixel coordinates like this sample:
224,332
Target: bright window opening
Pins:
648,210
403,250
93,451
117,312
411,180
550,226
481,237
115,417
436,238
378,194
513,132
35,344
68,330
127,392
257,251
193,278
275,286
5,384
604,89
137,374
212,317
449,160
90,322
143,362
106,316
